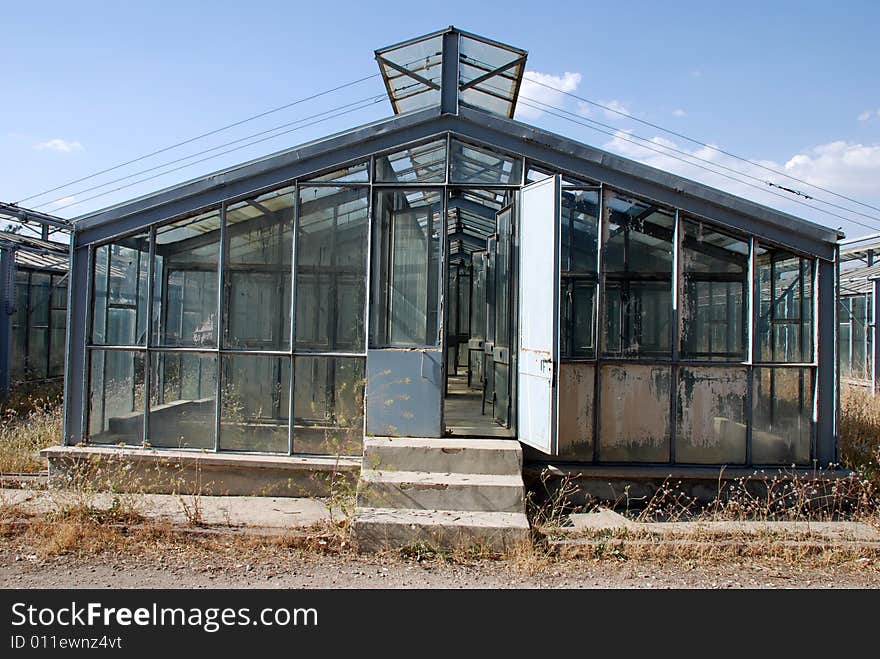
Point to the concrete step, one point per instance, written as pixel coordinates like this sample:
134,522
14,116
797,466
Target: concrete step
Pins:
447,455
377,529
440,491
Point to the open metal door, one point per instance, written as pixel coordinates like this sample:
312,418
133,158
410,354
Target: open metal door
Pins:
539,314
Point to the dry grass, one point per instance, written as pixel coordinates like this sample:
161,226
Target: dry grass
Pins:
860,432
30,420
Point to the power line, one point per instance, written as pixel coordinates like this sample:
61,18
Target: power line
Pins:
371,99
617,135
710,162
203,135
217,155
704,144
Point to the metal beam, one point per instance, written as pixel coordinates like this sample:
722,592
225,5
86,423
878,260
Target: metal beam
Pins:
449,74
27,215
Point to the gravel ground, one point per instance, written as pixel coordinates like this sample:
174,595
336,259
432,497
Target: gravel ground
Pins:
347,570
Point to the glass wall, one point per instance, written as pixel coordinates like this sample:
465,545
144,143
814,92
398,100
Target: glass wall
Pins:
38,325
856,336
240,316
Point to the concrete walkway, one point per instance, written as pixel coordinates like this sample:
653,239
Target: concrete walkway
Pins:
265,515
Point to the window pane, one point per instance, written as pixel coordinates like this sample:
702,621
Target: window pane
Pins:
183,401
57,337
634,416
711,423
331,269
358,173
328,405
257,280
425,163
579,242
714,282
785,320
637,267
120,291
482,166
116,397
406,272
782,413
255,403
185,271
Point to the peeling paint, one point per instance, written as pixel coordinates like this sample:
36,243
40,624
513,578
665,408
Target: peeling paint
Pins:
634,416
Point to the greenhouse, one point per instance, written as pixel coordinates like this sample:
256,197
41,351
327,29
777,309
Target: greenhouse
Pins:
33,287
450,272
859,288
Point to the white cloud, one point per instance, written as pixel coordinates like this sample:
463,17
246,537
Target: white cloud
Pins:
57,144
615,109
679,113
868,114
847,168
536,87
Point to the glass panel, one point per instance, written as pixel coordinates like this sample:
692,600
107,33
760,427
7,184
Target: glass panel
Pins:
255,403
781,423
424,163
406,272
257,281
576,410
57,338
637,270
634,414
711,423
496,93
357,173
331,269
328,405
578,255
715,269
858,337
185,271
20,326
482,166
183,401
120,291
116,397
785,320
423,58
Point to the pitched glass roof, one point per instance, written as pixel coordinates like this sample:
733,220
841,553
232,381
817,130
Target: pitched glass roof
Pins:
489,72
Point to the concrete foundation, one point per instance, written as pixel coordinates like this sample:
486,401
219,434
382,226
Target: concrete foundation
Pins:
634,486
192,472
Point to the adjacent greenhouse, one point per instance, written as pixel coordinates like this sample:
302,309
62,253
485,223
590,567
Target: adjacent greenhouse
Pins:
36,318
451,272
859,276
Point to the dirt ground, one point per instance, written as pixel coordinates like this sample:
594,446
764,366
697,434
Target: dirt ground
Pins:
347,570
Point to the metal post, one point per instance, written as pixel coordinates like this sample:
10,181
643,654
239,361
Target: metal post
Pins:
826,389
7,308
875,343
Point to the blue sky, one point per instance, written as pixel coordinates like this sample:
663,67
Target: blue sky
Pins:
88,85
